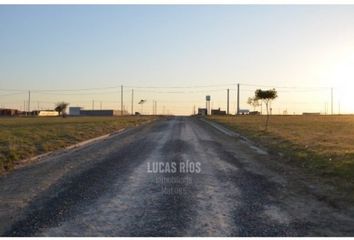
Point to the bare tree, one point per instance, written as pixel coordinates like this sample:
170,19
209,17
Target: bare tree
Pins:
266,96
253,102
61,107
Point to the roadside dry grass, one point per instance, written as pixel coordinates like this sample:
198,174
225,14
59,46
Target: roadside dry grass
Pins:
321,145
21,137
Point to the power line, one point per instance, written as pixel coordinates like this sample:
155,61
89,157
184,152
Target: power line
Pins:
168,90
12,94
117,87
180,92
12,90
163,87
285,87
181,87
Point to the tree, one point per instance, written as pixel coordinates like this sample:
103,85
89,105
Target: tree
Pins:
253,102
266,96
61,107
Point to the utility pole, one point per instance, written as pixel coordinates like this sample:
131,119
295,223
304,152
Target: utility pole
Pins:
121,100
228,101
132,102
326,108
331,101
238,99
153,107
194,110
29,101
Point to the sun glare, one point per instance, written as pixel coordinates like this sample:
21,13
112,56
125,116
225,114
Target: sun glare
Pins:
343,84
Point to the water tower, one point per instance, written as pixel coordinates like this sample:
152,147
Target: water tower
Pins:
207,104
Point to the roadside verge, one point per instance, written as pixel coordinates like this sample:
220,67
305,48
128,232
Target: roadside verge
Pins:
25,140
314,169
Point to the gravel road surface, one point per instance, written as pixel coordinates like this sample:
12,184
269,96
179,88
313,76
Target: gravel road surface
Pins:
179,176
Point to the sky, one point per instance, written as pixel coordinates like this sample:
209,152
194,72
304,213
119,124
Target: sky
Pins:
176,55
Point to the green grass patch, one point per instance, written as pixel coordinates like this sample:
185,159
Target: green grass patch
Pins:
25,137
320,145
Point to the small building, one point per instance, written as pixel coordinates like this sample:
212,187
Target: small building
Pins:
254,113
9,112
74,111
202,111
79,111
96,112
244,112
217,112
47,113
108,112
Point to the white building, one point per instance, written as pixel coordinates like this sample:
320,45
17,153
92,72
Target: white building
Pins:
48,113
74,111
244,112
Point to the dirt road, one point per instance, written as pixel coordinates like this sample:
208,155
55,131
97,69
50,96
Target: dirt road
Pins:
174,177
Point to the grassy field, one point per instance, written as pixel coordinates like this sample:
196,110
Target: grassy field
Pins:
323,145
21,137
